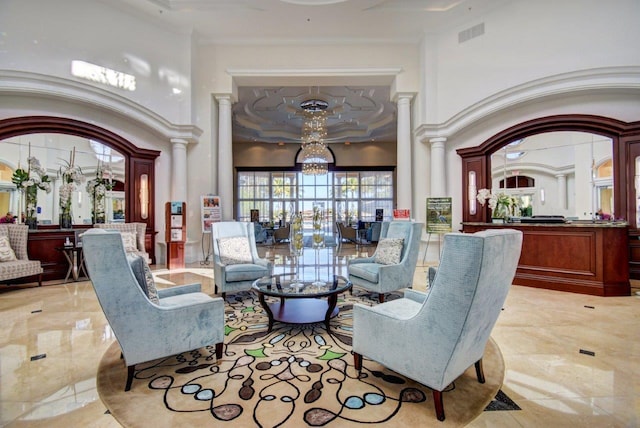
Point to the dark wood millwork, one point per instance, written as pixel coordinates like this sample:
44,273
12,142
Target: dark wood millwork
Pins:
138,161
42,246
586,258
626,147
175,248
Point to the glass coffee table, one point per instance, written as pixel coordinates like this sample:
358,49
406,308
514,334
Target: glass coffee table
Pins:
303,303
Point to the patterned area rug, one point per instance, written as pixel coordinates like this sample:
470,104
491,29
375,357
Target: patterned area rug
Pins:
297,375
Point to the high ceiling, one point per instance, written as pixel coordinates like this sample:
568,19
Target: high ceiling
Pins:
273,114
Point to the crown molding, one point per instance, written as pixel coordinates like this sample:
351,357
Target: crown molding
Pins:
576,82
34,84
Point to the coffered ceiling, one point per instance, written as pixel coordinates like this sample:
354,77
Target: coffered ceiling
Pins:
273,114
354,114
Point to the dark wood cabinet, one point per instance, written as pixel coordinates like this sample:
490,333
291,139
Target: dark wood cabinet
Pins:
42,246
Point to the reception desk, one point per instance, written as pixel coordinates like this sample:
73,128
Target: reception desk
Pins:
579,257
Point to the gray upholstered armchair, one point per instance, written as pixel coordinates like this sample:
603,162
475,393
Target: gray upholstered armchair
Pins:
433,338
383,274
148,323
236,263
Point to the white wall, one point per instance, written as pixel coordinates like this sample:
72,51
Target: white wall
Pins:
529,40
524,42
45,36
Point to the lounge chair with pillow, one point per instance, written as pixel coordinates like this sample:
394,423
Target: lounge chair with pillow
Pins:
394,262
236,264
434,337
148,323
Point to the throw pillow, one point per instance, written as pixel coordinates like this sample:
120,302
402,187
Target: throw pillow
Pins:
151,285
6,252
389,251
235,250
143,276
129,242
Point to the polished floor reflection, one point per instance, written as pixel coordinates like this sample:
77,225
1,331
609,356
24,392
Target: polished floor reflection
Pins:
571,360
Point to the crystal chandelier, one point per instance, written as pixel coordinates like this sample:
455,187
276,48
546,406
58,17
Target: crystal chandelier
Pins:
314,155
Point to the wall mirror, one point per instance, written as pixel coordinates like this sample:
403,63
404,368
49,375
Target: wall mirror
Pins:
564,173
53,151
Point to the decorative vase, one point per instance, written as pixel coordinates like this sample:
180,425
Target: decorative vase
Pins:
65,221
31,203
318,243
501,211
296,244
97,209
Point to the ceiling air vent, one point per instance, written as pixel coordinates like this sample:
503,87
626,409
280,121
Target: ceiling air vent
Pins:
470,33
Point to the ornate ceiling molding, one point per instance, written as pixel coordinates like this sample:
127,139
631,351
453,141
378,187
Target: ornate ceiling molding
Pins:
33,84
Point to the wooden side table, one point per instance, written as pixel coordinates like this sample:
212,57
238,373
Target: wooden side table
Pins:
75,258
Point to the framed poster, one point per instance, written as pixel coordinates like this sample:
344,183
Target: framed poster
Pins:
379,214
401,215
176,208
438,215
211,212
255,216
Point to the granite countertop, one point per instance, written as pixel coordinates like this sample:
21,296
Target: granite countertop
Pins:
570,223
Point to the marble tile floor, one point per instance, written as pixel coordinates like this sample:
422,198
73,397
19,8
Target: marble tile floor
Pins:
571,360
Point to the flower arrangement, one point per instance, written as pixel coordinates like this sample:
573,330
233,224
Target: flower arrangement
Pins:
28,182
97,189
71,176
501,204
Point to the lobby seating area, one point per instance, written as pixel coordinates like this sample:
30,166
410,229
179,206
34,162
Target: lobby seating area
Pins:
540,348
392,265
545,374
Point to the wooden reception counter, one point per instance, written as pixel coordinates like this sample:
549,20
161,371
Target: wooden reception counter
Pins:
579,257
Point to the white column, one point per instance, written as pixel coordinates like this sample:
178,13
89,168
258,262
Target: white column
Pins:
179,169
403,169
438,178
225,157
562,191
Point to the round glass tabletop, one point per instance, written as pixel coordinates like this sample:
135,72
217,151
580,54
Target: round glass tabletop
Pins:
287,285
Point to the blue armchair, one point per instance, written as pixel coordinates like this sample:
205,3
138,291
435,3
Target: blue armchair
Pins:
434,337
148,323
236,264
259,232
375,274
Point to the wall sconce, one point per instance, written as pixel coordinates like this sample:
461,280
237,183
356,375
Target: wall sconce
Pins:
144,196
472,193
542,196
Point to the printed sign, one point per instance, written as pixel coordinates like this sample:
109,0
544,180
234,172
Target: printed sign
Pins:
438,215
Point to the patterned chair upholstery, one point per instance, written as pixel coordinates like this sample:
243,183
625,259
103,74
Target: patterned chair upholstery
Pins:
148,323
140,230
18,235
374,274
434,337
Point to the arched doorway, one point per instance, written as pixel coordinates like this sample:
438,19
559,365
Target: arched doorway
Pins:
625,137
138,161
